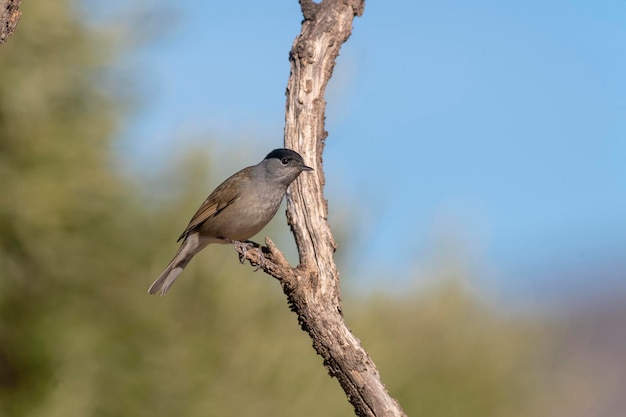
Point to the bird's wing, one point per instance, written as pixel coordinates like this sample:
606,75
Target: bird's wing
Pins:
223,196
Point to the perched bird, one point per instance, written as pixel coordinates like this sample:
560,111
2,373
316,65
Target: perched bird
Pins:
236,210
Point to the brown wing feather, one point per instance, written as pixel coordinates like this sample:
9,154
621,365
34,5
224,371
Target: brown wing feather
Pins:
223,196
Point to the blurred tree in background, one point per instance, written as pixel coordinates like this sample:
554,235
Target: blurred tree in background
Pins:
65,216
80,243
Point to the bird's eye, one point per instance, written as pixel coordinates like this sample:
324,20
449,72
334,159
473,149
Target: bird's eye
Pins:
284,161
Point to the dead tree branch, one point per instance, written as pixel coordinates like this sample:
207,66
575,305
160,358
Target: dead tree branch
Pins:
312,288
9,15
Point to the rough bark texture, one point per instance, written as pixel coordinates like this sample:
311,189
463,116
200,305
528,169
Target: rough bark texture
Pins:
312,288
9,15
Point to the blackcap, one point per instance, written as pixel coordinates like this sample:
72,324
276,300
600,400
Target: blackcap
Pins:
236,210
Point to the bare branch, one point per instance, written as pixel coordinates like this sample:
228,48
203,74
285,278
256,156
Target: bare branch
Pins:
9,16
313,287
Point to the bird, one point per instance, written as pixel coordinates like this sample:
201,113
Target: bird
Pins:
236,210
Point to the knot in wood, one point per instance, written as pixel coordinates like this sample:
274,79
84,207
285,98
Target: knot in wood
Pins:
306,51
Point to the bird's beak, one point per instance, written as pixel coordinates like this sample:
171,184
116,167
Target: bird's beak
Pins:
306,168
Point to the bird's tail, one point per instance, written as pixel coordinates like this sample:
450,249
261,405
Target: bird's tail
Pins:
190,246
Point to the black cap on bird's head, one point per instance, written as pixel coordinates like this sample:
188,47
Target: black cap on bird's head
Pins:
287,156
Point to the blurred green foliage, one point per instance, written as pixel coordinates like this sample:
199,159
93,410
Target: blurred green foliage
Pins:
79,245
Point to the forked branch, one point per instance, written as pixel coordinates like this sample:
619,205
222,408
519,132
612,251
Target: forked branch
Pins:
312,288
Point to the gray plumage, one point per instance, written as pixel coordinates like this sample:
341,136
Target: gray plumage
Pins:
236,210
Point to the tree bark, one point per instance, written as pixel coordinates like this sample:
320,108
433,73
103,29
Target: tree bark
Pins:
9,15
312,288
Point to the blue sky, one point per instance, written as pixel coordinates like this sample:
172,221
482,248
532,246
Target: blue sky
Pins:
490,131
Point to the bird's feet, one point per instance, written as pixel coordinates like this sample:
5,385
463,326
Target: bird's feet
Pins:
243,247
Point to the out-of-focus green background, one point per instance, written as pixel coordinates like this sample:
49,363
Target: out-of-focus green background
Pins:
81,239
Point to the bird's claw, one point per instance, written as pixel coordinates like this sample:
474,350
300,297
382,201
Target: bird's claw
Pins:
242,248
260,264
